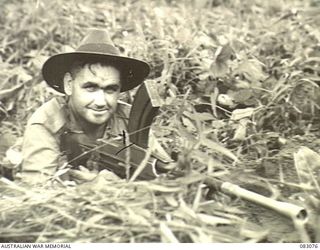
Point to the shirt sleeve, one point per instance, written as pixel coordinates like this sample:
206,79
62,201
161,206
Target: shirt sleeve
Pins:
40,152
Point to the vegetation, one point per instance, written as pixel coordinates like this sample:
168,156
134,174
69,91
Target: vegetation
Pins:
240,80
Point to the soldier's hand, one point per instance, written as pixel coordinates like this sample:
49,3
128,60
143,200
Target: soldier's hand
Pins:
96,181
84,175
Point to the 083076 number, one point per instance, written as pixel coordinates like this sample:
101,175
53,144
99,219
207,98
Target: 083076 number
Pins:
309,245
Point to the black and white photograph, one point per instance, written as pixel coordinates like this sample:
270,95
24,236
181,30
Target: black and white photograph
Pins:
159,121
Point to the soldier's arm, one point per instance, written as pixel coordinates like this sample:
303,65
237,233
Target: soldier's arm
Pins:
41,154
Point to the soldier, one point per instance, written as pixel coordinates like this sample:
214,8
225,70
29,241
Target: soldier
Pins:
92,79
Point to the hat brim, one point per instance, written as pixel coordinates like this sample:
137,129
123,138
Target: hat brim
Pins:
132,71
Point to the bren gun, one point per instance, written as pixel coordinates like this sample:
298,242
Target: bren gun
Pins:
113,155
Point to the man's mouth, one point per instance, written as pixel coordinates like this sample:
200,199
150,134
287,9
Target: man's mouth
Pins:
100,111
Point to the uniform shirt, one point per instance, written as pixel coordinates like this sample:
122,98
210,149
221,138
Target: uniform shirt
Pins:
41,147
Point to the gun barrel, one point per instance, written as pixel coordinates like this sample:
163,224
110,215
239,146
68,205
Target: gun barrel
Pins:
293,211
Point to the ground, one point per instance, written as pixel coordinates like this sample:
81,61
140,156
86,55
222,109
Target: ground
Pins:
240,84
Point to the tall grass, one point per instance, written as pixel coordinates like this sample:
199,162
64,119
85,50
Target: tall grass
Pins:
258,54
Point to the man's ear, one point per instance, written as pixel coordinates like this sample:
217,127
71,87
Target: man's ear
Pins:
67,83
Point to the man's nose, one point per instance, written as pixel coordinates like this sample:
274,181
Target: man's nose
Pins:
100,98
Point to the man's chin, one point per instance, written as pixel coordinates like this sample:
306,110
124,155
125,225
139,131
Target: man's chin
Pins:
99,121
98,118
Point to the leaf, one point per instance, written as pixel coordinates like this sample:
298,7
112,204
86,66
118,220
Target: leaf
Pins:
85,9
200,237
171,200
312,158
306,161
241,131
38,61
67,49
199,4
219,67
166,234
8,93
201,157
218,148
213,220
226,100
199,116
159,188
255,235
184,133
8,140
188,124
197,198
239,114
312,59
241,96
157,150
185,211
204,39
223,54
213,101
14,156
240,84
10,104
252,69
135,218
183,35
141,166
189,179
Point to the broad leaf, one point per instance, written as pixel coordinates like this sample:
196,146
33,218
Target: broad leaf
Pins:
218,148
239,114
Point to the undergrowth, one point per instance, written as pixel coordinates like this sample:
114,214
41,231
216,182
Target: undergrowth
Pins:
240,84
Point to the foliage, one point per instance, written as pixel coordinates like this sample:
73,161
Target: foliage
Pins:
240,80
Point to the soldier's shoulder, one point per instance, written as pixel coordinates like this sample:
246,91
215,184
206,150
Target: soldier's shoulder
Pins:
50,114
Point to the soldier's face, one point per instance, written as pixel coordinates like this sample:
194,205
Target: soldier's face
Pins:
93,92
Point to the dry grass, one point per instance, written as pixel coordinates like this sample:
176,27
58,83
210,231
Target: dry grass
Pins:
118,212
261,54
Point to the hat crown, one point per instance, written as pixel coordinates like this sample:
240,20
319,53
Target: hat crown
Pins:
98,41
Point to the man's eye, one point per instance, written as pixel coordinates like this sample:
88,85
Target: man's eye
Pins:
91,88
111,90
